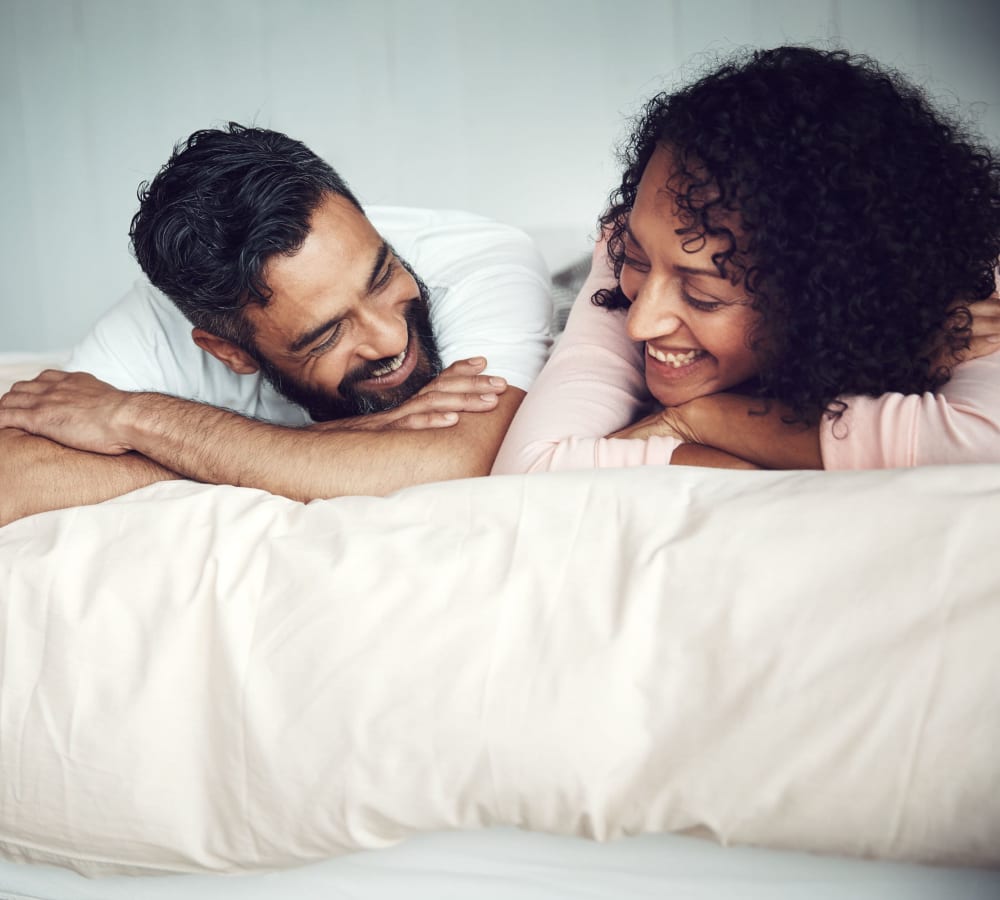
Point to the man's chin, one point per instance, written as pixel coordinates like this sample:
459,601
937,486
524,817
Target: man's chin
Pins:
357,402
352,400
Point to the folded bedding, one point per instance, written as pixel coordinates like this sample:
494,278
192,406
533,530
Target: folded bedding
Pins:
201,678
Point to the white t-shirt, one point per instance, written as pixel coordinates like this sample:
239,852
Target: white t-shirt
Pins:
489,296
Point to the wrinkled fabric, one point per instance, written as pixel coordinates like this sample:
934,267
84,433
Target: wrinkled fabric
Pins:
200,678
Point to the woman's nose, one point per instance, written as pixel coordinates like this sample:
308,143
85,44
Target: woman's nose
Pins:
653,312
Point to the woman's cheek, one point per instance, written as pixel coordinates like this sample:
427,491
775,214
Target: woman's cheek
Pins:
628,283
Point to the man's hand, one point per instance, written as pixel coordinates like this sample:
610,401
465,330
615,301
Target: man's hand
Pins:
79,411
71,408
439,404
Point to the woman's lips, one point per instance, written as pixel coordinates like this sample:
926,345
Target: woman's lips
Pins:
676,359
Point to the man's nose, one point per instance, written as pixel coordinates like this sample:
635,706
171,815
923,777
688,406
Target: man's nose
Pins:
384,333
654,310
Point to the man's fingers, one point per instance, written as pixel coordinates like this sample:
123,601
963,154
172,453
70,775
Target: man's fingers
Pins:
421,421
52,375
27,388
466,384
470,366
443,401
16,400
44,382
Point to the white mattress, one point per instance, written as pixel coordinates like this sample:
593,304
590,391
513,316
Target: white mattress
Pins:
503,864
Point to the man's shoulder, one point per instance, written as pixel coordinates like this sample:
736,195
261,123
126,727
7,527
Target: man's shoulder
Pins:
447,247
142,343
136,319
414,220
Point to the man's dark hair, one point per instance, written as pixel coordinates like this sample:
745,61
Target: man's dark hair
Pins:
860,214
227,201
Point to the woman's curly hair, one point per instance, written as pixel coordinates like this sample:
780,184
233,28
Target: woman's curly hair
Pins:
862,216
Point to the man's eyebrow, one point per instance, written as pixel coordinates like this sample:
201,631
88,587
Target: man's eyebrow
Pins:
313,334
380,257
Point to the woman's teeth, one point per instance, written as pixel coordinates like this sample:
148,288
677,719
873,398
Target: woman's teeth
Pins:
674,360
390,366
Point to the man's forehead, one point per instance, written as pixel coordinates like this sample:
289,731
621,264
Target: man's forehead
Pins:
334,268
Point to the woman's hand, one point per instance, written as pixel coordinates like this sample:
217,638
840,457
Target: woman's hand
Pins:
678,422
667,422
985,335
744,427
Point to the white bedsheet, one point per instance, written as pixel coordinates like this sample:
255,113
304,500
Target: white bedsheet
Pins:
199,678
213,678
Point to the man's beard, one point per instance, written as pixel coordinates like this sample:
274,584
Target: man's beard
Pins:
354,400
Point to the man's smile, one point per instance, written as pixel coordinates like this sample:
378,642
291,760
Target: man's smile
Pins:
390,373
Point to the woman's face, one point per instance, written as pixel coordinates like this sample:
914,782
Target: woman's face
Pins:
693,321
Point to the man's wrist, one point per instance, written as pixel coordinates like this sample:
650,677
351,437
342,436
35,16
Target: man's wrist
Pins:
134,420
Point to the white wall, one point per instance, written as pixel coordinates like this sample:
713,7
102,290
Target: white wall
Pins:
510,108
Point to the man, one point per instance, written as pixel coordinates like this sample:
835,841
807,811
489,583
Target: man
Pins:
319,363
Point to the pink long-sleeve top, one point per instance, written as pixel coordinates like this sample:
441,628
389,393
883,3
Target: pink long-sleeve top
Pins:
594,384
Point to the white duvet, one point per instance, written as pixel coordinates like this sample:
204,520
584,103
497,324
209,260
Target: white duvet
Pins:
213,678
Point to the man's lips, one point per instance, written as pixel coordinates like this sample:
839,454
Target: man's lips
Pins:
394,371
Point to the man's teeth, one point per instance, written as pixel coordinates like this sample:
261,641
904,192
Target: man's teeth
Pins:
674,360
390,366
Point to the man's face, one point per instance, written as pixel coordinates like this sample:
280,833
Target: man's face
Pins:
347,330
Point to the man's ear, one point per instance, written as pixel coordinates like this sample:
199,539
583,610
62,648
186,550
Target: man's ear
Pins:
236,358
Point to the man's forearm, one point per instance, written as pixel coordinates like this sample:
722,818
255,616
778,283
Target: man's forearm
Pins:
221,447
37,475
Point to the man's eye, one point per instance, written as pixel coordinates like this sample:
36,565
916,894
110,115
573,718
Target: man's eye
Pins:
320,349
390,270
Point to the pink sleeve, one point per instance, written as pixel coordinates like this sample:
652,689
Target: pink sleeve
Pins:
959,424
592,385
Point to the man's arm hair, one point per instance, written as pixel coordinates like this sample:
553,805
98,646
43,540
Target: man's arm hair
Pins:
451,428
37,475
221,447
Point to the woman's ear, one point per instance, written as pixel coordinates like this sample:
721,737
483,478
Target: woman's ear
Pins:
233,356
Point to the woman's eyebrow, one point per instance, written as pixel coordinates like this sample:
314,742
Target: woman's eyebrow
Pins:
631,234
693,270
687,270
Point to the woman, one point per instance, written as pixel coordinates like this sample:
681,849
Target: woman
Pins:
799,253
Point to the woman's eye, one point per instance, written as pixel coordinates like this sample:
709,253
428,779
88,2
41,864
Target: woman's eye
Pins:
637,264
702,305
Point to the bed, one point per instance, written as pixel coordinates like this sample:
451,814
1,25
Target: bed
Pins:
601,684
